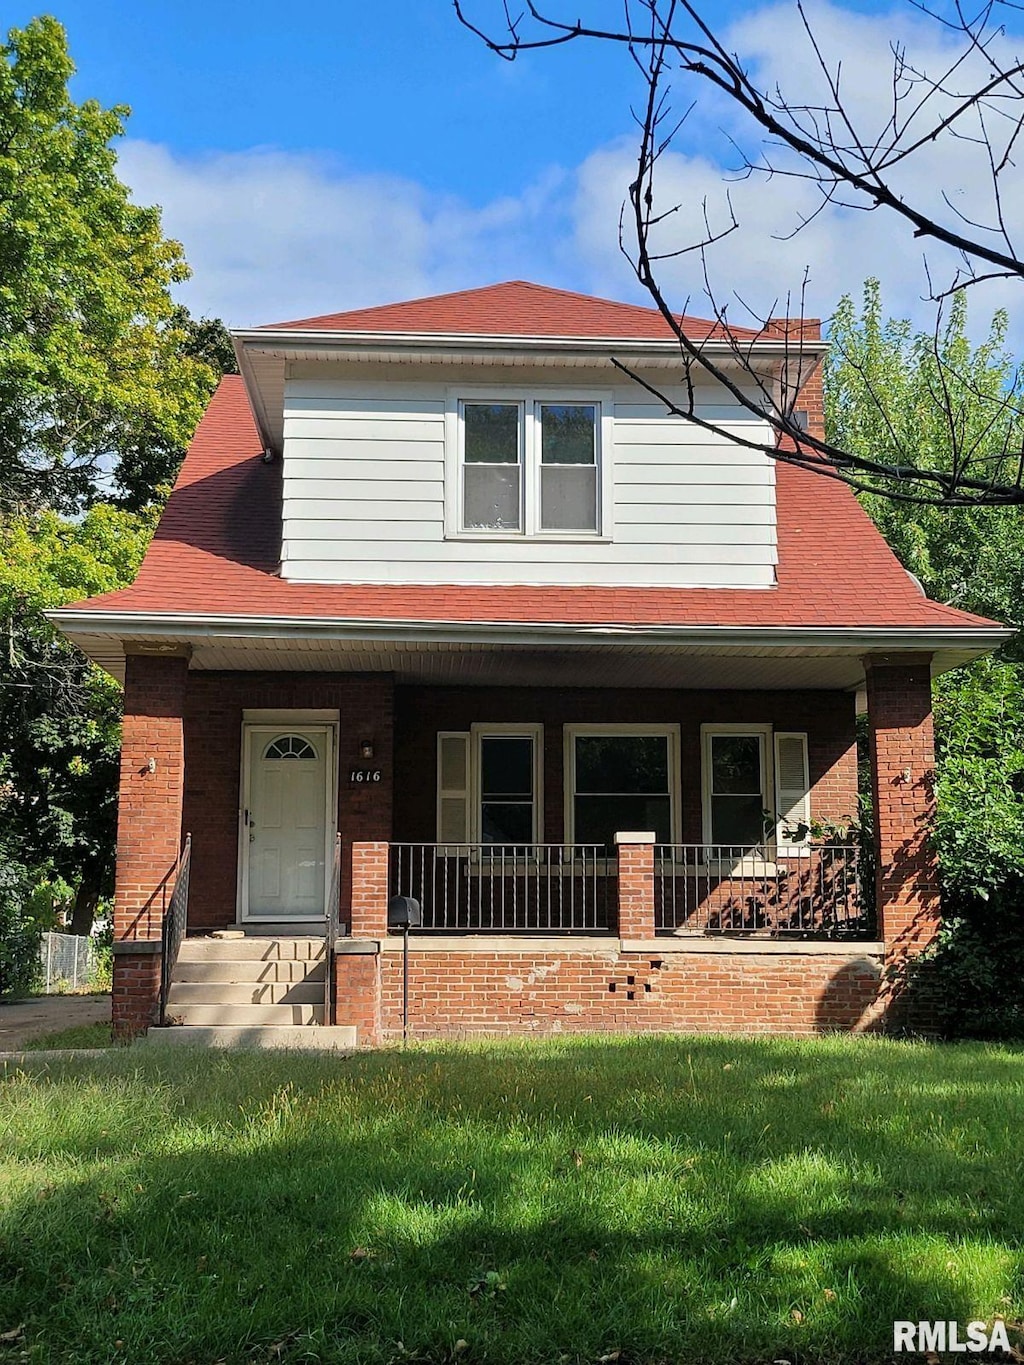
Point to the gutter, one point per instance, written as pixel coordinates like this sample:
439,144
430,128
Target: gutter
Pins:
143,625
301,339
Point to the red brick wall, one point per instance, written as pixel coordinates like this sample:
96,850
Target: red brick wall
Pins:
136,993
420,712
903,776
635,890
149,804
213,755
457,993
357,995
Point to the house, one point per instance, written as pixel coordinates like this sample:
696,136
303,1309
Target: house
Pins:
443,605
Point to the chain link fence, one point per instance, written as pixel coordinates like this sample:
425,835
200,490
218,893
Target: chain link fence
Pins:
68,962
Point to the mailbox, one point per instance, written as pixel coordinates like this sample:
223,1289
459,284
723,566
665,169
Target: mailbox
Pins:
404,913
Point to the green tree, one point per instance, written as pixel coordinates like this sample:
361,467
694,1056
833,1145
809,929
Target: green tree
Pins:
101,379
887,386
59,713
887,389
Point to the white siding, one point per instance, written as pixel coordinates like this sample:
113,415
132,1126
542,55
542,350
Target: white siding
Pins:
364,490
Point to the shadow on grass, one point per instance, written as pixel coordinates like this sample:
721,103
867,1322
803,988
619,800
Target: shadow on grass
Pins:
696,1199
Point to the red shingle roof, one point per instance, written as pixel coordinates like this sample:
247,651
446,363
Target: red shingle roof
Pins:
515,308
216,552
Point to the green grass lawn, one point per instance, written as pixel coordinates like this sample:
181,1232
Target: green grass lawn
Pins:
78,1036
637,1200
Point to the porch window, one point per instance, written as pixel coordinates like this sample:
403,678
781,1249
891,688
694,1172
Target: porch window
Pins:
488,785
756,787
621,778
736,798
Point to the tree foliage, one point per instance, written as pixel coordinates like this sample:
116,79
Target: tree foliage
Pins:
101,382
886,383
103,377
59,713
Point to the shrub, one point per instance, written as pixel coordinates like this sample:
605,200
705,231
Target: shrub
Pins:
20,932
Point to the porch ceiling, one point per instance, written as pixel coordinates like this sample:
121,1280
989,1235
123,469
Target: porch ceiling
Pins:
625,662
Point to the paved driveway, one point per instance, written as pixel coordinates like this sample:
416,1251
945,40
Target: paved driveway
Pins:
25,1019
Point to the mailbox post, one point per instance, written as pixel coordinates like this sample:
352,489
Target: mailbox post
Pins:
404,913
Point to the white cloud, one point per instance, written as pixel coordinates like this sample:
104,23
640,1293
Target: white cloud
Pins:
273,235
765,258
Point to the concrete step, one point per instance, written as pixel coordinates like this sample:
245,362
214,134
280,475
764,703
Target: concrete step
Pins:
254,970
247,949
301,928
306,1038
245,993
246,1016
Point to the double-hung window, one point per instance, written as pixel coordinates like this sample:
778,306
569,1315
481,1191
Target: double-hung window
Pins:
621,777
528,466
488,781
756,787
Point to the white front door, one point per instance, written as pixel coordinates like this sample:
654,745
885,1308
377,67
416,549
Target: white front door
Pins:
284,822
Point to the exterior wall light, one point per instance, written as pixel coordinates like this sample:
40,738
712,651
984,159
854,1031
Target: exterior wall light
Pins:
366,748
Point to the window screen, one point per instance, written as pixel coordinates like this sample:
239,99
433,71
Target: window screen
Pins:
568,467
492,467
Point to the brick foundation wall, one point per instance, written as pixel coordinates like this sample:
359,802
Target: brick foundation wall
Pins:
136,993
420,712
461,993
214,708
357,992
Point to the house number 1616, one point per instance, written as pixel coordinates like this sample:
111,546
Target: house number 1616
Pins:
364,775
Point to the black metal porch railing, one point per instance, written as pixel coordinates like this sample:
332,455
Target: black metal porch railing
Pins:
331,930
173,928
496,888
803,893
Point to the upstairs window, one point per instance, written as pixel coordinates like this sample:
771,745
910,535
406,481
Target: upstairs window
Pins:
532,467
568,466
492,466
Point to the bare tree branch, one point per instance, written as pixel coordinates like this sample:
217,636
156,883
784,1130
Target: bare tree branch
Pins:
975,99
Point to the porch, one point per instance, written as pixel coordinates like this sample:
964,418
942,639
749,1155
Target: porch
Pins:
560,843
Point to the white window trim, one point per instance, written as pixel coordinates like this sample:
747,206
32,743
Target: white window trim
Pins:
764,732
474,793
528,400
669,731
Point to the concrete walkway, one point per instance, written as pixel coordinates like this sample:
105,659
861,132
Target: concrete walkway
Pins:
21,1020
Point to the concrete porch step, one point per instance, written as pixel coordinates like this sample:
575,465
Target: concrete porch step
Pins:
246,1016
244,992
254,970
246,949
297,1038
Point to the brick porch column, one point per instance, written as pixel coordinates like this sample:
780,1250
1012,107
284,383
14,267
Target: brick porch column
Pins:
636,884
148,830
902,778
369,913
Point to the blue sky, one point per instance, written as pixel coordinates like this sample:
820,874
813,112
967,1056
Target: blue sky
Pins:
334,154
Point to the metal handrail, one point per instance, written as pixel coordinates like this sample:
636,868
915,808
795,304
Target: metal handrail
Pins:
172,931
333,919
